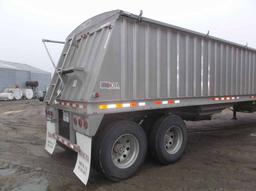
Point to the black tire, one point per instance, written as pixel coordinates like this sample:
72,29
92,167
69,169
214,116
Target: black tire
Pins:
103,145
149,122
157,142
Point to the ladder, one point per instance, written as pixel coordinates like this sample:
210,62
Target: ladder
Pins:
57,77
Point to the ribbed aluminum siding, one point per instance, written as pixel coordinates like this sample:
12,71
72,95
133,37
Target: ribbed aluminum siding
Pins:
160,62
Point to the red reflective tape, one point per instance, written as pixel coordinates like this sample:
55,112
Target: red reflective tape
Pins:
158,102
171,102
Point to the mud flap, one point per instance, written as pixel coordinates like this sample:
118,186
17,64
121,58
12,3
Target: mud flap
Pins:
83,162
50,143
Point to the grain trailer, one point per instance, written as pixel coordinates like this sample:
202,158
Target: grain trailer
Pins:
124,85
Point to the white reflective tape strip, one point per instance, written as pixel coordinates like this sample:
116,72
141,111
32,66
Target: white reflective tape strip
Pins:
142,104
126,105
164,102
111,106
233,98
81,106
228,98
68,104
177,101
222,98
237,97
73,105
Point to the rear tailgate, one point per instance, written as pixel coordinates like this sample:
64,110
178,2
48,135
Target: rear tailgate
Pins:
85,60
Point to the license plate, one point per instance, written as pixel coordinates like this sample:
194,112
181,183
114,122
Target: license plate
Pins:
66,116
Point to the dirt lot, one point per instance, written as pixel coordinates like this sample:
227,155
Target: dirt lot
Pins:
221,155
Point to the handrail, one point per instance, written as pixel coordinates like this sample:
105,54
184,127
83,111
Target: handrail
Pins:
53,41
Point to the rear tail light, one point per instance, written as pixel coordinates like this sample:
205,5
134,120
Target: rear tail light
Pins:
80,122
75,121
49,114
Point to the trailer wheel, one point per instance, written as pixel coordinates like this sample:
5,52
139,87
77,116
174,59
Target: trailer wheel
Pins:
119,149
168,139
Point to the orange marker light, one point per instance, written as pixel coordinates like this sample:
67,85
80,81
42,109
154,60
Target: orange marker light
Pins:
134,104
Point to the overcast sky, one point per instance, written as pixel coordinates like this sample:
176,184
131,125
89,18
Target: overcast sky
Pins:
23,23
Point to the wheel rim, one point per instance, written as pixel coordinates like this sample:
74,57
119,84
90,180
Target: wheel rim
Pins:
173,139
125,151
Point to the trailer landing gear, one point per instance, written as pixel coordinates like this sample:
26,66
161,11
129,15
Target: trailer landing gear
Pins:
234,115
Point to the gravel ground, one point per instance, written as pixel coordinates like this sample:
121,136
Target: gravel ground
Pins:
221,155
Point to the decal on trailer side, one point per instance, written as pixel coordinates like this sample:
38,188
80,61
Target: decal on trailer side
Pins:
109,85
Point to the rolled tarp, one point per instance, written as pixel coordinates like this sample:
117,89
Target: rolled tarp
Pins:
6,96
28,93
17,92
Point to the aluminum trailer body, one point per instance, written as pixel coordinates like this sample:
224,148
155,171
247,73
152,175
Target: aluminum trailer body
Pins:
123,67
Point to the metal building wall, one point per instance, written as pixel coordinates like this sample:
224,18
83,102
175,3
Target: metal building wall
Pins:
10,78
43,79
21,77
7,78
